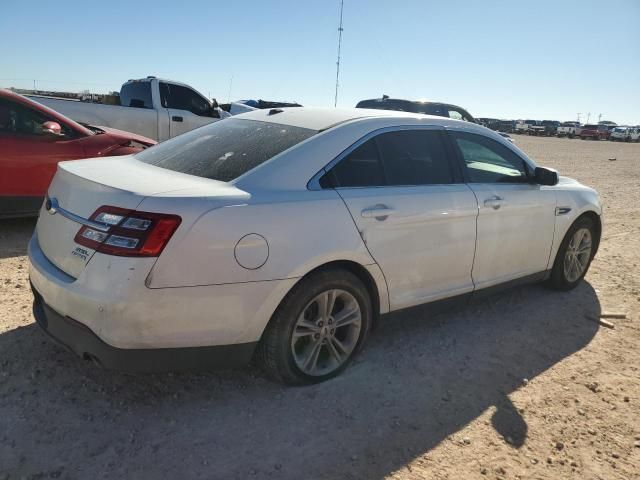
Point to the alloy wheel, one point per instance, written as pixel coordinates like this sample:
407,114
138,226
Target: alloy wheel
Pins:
578,254
326,332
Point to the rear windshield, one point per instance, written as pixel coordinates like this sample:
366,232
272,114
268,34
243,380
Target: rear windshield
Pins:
136,94
226,149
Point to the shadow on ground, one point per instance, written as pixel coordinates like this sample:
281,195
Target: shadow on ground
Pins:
14,236
420,380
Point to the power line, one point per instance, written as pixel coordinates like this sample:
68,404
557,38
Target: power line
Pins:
335,102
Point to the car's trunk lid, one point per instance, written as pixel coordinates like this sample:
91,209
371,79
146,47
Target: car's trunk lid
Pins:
80,187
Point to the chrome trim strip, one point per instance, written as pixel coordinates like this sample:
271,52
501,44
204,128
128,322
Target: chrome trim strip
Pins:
54,207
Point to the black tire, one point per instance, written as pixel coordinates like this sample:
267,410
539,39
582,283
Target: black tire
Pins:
274,350
558,280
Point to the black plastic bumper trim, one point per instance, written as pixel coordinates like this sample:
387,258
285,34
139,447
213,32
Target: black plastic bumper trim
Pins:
80,340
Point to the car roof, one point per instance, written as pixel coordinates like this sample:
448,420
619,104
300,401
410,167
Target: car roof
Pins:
319,118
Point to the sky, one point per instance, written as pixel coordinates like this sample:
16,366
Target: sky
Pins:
539,59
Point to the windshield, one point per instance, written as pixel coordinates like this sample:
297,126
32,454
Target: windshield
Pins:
226,149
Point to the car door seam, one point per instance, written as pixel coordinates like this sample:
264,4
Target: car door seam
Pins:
475,244
364,242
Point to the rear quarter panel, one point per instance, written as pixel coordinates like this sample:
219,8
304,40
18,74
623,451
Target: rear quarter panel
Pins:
303,230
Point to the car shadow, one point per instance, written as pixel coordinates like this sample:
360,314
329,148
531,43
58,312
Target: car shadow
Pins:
419,381
14,236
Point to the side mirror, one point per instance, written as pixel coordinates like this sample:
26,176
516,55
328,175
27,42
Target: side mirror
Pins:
545,176
52,128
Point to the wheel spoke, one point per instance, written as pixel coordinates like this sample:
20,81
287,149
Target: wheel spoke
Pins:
331,301
305,328
337,344
347,316
312,355
576,268
325,304
334,351
584,248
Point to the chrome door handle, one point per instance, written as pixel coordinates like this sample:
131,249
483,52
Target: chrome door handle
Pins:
379,212
494,202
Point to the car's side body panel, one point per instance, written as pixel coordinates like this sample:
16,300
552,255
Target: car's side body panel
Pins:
573,200
515,239
243,245
426,246
302,230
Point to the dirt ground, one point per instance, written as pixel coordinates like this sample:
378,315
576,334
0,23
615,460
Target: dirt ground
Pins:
520,385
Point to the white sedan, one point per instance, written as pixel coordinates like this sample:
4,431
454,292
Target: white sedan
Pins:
284,234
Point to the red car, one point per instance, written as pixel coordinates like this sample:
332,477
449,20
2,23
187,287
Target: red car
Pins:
595,132
34,138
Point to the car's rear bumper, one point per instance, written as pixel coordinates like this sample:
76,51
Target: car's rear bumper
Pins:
110,298
80,339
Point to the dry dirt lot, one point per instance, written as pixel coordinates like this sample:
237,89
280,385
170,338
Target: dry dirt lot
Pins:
521,385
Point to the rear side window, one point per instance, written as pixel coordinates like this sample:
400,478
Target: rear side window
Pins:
414,157
361,168
224,150
136,94
404,157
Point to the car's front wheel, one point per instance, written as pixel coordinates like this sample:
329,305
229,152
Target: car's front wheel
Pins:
317,329
574,255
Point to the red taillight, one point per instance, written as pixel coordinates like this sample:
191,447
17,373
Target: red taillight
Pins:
130,233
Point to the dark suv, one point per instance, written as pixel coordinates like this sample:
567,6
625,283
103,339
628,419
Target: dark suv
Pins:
429,108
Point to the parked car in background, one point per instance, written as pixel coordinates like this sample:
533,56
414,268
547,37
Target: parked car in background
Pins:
153,107
524,126
568,129
507,126
535,127
625,134
491,123
550,127
226,220
34,138
429,108
594,132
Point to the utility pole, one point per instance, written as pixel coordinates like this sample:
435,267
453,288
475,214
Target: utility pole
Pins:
579,117
588,116
335,102
599,117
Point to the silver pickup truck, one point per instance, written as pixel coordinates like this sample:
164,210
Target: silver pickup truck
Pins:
156,108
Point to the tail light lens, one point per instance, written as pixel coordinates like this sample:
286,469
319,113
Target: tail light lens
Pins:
130,233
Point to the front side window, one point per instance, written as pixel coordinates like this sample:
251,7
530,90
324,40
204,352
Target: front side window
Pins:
398,158
487,161
136,94
224,150
19,119
183,98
